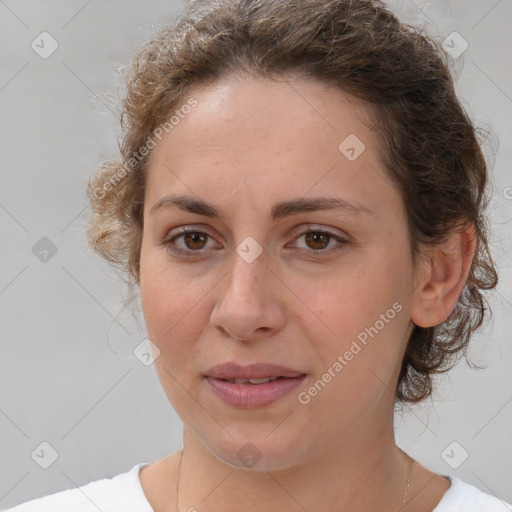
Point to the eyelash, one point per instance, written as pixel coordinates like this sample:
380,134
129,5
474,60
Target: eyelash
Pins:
169,243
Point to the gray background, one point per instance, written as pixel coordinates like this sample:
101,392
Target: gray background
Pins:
67,374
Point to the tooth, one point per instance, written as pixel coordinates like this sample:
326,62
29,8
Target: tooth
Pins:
252,381
258,381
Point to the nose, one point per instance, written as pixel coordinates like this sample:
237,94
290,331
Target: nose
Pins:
250,300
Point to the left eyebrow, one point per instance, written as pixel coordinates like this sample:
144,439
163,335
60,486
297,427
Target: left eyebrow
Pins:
279,210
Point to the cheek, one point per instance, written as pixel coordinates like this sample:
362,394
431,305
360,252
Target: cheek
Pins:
168,308
164,298
362,308
369,345
172,311
175,308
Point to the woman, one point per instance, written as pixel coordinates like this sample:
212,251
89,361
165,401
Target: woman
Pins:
299,200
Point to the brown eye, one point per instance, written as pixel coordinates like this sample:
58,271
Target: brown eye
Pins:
317,239
195,240
188,242
320,243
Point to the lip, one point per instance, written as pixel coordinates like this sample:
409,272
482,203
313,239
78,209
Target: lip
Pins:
252,396
232,370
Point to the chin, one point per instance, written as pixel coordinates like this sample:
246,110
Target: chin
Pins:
259,452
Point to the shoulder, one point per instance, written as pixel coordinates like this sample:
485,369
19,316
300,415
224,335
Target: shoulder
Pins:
462,496
122,493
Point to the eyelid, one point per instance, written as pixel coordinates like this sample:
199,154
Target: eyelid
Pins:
307,227
188,228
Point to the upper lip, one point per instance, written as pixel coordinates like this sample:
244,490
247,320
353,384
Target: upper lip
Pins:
233,370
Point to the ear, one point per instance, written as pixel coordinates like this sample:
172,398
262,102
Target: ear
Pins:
442,277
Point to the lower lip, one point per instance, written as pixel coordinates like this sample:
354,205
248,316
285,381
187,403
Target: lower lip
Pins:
250,396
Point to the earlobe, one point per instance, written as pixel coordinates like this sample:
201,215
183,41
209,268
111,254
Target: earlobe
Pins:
445,273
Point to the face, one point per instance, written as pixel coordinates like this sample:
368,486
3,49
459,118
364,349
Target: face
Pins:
325,291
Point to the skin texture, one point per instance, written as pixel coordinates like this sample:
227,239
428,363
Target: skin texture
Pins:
247,145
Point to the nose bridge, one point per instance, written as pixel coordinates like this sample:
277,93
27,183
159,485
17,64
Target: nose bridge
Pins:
247,302
248,273
249,256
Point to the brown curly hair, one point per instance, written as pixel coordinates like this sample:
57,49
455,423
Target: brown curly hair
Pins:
429,145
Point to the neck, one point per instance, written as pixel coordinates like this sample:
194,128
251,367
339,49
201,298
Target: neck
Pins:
362,472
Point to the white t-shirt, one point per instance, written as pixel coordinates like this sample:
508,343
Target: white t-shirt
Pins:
123,493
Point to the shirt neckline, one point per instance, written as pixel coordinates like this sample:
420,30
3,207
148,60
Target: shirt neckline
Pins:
448,494
446,499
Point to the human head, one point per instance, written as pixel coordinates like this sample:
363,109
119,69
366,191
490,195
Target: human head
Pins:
428,144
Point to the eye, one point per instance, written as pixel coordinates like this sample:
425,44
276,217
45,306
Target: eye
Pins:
194,240
317,241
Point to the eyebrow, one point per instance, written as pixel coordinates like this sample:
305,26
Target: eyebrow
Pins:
279,210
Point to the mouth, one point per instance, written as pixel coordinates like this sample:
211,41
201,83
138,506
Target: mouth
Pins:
257,373
254,386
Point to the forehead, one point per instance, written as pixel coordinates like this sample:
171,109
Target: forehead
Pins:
269,139
251,108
